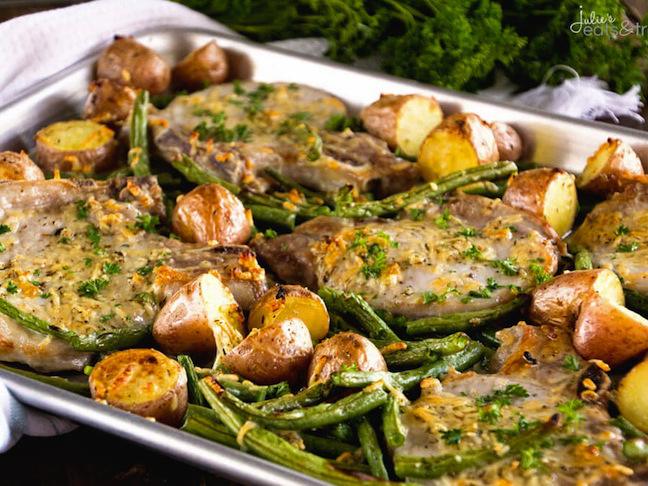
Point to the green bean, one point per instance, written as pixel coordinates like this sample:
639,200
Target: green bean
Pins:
628,429
463,321
108,340
268,445
410,378
490,189
314,417
437,466
488,338
80,388
195,396
583,260
244,389
636,301
418,352
273,217
326,447
196,174
342,431
290,184
355,306
371,448
636,450
204,422
392,424
394,203
312,395
138,155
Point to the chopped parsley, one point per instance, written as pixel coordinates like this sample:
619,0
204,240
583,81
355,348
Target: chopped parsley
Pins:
571,362
64,240
12,288
2,247
82,210
432,297
483,293
270,233
489,413
254,102
531,458
88,262
452,436
147,222
301,116
467,231
622,230
107,317
373,255
442,221
4,229
144,271
521,425
145,297
417,214
111,268
627,247
508,267
570,410
217,130
93,235
90,288
539,273
473,252
504,396
45,295
339,123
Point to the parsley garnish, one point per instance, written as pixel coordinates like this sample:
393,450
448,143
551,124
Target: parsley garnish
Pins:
11,288
82,210
91,288
530,458
301,116
4,229
452,436
571,362
374,257
622,230
539,273
111,268
107,317
217,130
627,247
417,214
145,297
467,232
46,295
473,252
93,235
508,266
147,222
88,262
570,410
270,233
432,297
442,221
64,240
489,405
144,271
339,123
2,247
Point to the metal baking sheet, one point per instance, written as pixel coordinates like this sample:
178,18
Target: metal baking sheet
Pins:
549,139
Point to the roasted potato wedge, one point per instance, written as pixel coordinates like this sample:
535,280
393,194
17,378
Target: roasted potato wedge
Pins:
201,319
611,165
210,214
558,301
76,146
144,382
344,349
609,332
128,62
288,301
548,193
278,352
509,143
202,67
403,121
108,102
632,396
461,141
16,166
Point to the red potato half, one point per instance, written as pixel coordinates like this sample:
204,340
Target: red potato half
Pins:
559,300
509,143
210,214
144,382
201,319
202,67
108,102
402,121
548,193
278,352
344,349
609,332
610,167
461,141
16,166
632,396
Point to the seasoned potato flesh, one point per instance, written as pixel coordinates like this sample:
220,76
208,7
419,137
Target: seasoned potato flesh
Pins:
608,286
445,152
75,135
596,163
632,397
561,203
416,119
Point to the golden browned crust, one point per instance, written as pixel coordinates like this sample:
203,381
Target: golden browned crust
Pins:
16,166
108,102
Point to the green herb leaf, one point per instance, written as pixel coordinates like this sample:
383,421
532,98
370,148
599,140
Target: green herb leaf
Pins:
417,214
270,233
622,230
4,229
628,247
473,252
12,288
82,210
147,222
111,268
107,317
442,221
90,288
452,436
571,362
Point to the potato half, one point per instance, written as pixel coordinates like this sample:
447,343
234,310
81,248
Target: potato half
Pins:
76,146
128,62
632,396
144,382
344,349
201,319
613,163
402,121
211,214
559,300
548,193
202,67
16,166
609,332
288,301
108,102
509,143
278,352
461,141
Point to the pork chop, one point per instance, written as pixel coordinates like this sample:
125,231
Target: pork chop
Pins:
84,256
465,254
615,233
235,131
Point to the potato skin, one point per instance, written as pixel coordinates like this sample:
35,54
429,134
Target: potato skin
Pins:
272,354
144,382
613,164
210,213
16,166
204,66
559,300
97,156
531,190
128,62
385,119
108,102
609,332
509,143
288,301
461,141
632,396
344,349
